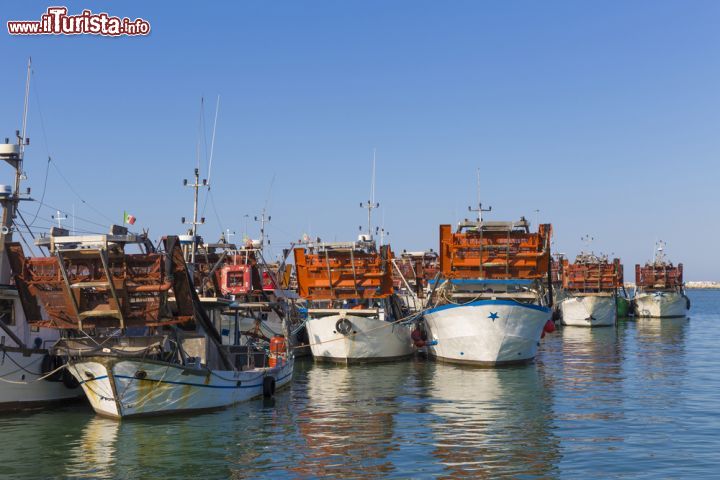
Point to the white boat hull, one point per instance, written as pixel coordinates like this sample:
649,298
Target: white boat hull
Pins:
486,332
589,311
126,387
370,340
21,365
21,387
660,304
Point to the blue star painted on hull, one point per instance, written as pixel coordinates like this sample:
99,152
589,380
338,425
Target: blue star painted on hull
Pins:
493,316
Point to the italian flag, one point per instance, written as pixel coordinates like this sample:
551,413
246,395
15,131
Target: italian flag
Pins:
129,219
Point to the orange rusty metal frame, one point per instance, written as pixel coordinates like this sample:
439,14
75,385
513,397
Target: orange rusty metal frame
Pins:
659,276
342,274
592,277
141,283
495,254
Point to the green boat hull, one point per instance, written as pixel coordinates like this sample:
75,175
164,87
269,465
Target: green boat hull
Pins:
623,306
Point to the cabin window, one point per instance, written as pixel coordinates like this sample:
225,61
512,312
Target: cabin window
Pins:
7,312
235,279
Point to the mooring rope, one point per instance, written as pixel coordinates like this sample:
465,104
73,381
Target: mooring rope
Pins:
49,374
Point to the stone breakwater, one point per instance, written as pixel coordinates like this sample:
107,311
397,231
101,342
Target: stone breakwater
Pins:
702,284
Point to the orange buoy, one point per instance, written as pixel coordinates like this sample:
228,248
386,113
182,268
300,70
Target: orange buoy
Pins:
278,351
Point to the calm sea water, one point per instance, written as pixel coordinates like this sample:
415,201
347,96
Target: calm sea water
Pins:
638,401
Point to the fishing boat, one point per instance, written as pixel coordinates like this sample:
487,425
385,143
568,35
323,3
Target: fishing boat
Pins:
133,350
556,265
660,290
352,314
248,299
30,377
591,286
411,277
493,300
623,303
257,303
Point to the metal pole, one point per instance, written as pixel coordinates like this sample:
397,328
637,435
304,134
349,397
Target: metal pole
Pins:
25,109
196,186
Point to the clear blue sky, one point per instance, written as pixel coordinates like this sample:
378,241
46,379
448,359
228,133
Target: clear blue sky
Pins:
603,115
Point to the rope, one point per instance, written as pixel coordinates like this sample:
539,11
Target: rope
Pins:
300,327
42,197
82,200
444,295
49,374
215,211
443,292
86,384
47,149
20,367
22,237
235,379
152,390
122,394
77,217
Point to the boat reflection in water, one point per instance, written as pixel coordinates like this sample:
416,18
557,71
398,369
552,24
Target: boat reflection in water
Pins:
586,366
221,444
666,333
660,352
588,356
94,454
492,422
347,422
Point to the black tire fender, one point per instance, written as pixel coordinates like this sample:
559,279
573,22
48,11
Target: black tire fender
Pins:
343,326
69,380
50,363
268,387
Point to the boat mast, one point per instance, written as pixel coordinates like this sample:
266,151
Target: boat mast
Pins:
263,219
382,230
58,217
13,154
371,204
480,209
196,188
659,253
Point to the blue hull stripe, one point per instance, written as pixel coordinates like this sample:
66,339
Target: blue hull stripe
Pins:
481,303
186,383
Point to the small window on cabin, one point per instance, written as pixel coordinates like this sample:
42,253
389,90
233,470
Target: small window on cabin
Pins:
7,312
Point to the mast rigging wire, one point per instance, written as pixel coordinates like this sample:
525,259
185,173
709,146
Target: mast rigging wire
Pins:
54,164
